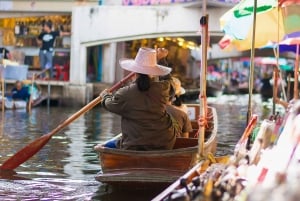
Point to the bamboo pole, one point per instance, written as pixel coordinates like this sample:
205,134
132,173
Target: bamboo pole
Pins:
275,70
31,94
2,81
289,87
2,101
280,76
2,88
276,75
3,96
251,76
296,69
202,98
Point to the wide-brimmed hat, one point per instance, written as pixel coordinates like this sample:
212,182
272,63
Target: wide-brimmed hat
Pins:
176,84
145,62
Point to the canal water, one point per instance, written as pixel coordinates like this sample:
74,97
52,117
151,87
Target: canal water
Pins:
65,167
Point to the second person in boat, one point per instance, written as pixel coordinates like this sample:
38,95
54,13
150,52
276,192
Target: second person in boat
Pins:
179,115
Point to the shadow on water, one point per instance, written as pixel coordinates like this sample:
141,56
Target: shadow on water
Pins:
64,169
109,193
11,175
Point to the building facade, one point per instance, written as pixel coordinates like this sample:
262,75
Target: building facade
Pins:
104,29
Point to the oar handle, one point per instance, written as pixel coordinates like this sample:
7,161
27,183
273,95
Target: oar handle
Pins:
249,128
121,82
90,105
246,133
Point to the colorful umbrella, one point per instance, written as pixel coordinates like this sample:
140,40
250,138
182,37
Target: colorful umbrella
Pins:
272,24
285,46
237,22
294,41
291,40
270,61
267,20
287,2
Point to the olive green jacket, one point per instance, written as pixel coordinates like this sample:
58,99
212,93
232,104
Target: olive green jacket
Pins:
145,124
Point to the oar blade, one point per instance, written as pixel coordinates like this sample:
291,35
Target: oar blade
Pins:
25,153
32,148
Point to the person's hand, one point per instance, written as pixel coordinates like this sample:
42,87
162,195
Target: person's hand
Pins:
161,53
104,93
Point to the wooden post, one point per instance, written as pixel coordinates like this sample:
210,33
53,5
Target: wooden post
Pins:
296,69
203,71
251,76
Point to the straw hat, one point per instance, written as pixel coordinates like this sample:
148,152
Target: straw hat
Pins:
179,90
145,62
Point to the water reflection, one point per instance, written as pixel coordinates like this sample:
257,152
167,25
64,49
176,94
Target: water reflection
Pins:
65,167
75,149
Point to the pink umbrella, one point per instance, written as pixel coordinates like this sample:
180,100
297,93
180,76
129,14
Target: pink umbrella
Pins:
288,2
270,61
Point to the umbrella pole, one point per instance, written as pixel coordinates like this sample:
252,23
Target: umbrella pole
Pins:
2,80
202,98
251,76
289,87
296,74
2,89
2,101
277,73
275,77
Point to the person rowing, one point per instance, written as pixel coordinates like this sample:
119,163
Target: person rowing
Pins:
145,123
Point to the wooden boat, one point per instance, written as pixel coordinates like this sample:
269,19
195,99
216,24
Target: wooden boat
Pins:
213,89
159,167
20,104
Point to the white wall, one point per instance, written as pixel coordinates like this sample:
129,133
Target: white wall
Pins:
106,23
94,25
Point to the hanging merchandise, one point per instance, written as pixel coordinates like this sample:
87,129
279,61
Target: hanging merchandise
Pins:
17,28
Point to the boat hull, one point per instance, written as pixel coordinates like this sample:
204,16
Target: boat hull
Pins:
153,168
20,104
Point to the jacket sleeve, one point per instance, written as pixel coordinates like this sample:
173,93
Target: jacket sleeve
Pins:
115,103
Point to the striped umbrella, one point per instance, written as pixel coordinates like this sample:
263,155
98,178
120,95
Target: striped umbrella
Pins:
284,46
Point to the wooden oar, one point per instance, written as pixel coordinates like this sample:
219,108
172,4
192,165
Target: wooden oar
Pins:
32,148
247,132
30,99
248,129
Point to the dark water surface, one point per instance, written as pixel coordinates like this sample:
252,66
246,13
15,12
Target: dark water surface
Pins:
65,168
